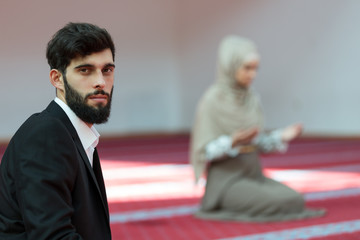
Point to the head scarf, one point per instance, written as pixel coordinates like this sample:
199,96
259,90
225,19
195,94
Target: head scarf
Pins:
226,106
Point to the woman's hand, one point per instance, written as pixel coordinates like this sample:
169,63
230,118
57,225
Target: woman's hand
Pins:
244,137
291,132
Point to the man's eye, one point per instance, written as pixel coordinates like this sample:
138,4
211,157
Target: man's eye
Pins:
108,70
83,70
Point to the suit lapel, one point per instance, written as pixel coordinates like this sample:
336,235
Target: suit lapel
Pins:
55,110
96,174
99,177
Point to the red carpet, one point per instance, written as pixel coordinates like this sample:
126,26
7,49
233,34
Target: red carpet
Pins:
152,195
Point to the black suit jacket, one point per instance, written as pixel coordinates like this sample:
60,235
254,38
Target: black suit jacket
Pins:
48,189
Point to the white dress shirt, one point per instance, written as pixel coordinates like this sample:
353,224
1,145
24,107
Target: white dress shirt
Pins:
89,137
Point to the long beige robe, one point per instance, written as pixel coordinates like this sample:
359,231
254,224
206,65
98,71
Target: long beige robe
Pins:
236,189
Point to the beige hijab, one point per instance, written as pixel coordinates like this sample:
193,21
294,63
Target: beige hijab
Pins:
225,106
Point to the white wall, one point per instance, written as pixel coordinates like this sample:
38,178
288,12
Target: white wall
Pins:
310,55
146,96
166,57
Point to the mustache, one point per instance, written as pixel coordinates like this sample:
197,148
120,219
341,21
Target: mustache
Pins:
97,92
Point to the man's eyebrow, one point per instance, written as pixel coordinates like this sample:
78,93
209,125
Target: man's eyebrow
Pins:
84,65
92,66
110,65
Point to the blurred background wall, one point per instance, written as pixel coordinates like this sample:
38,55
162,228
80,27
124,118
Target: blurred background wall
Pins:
166,53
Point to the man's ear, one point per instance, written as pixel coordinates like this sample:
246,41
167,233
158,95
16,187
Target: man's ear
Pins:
56,79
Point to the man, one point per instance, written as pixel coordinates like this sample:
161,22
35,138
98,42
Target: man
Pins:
51,184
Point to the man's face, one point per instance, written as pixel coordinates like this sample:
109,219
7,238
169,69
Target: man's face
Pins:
88,86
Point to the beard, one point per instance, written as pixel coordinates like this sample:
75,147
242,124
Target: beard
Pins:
88,114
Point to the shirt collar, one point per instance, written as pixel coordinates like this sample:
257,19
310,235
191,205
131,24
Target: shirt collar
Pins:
89,137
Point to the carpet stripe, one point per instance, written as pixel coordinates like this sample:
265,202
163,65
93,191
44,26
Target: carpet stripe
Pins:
350,192
140,215
171,180
323,230
152,214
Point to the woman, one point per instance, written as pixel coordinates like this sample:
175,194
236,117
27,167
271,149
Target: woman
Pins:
227,138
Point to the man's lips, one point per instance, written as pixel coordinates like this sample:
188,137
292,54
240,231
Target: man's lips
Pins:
99,98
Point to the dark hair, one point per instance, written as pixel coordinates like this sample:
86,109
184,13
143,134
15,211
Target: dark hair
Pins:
76,39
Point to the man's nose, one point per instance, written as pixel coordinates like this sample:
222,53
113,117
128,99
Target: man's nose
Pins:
99,81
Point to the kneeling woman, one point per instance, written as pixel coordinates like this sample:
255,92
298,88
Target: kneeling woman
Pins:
227,139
